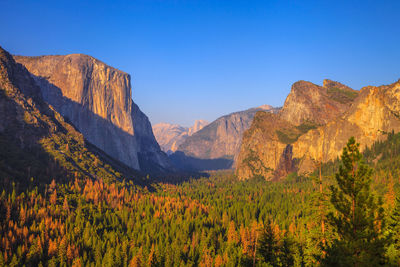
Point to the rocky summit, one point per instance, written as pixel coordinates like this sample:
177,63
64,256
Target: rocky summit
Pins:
308,102
96,99
314,125
374,113
170,136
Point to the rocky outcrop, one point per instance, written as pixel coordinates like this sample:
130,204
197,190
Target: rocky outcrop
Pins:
197,126
170,136
262,147
308,102
268,147
96,98
333,113
373,114
36,143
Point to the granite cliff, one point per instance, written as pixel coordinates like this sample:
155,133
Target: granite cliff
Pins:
96,99
374,113
272,146
36,141
170,136
308,102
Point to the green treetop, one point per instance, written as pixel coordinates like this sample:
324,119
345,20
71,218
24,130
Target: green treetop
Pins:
358,219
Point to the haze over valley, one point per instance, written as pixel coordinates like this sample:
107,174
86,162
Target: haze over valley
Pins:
196,133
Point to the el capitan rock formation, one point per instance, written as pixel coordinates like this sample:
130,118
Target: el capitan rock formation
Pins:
96,98
37,144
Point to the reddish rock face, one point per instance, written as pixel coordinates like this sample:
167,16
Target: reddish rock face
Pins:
267,147
262,147
96,98
374,113
318,104
322,119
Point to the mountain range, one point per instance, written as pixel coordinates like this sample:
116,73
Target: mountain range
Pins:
217,144
75,112
170,136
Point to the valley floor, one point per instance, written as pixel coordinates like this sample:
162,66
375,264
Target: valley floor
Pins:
214,221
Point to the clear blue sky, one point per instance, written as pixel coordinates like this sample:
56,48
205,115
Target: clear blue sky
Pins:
203,59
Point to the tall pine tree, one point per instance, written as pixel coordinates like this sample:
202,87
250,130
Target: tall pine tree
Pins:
269,245
358,220
394,231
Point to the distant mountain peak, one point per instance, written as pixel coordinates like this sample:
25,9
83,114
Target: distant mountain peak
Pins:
170,136
266,107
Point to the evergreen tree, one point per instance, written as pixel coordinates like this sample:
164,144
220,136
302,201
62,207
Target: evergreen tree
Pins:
394,231
286,255
358,221
268,245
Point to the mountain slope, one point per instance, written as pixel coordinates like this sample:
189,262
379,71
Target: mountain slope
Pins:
317,104
375,112
268,146
219,141
96,98
170,136
35,140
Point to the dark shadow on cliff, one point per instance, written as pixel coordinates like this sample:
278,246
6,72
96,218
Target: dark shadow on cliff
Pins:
105,130
150,172
287,164
24,163
188,163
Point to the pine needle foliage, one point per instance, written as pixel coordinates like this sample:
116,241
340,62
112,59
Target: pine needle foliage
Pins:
358,218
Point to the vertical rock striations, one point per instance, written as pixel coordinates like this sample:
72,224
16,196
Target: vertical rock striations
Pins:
96,98
36,141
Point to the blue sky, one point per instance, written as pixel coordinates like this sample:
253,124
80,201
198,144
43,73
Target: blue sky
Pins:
203,59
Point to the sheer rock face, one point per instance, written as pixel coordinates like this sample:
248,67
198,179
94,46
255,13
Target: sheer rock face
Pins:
367,115
96,98
222,137
268,146
198,125
318,104
375,112
30,129
170,136
261,148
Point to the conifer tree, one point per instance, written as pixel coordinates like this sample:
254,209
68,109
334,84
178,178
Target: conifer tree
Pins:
268,245
394,231
358,220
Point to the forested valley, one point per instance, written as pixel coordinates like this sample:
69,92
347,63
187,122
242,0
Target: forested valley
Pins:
212,221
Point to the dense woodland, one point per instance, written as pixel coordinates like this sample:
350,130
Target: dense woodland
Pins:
213,221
